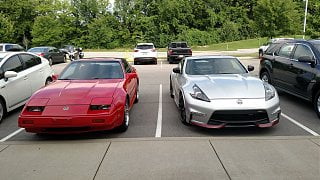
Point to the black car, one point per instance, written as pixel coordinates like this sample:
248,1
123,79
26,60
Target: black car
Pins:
293,66
53,54
177,51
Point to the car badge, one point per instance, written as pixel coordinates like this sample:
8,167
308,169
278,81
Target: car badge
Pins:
239,101
65,108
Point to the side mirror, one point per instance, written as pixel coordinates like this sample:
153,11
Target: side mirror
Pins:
250,68
306,59
177,70
10,74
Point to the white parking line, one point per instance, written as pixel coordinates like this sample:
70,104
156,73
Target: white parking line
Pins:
161,64
11,135
299,124
159,120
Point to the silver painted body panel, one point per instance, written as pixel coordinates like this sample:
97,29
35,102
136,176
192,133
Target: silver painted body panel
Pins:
224,91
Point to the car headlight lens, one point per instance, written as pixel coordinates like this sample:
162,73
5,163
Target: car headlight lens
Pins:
99,107
198,94
269,91
35,108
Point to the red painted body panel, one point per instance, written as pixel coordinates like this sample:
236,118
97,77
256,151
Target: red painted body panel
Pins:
67,105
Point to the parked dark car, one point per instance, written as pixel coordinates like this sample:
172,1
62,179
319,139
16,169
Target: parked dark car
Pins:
294,67
53,54
177,51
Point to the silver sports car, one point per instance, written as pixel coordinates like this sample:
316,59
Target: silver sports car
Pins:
217,91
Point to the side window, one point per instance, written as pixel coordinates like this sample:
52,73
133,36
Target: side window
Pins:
126,66
286,50
55,50
13,64
51,50
301,51
30,60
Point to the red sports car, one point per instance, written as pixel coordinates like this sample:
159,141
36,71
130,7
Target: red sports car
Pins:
90,95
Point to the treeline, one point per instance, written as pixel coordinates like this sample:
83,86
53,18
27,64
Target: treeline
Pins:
93,24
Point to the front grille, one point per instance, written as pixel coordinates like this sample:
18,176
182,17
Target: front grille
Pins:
239,116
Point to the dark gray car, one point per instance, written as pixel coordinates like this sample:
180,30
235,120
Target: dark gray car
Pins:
53,54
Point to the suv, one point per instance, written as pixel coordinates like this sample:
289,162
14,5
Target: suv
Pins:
265,46
145,52
293,66
4,47
177,51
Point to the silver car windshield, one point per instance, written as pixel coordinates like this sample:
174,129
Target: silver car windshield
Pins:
90,70
209,66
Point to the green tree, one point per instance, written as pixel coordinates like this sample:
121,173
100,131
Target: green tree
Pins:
6,29
274,18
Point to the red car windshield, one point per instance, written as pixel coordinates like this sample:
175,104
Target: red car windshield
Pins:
90,70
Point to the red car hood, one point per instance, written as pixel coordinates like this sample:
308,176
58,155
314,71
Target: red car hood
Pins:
77,91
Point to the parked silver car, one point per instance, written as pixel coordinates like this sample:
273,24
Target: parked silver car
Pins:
218,91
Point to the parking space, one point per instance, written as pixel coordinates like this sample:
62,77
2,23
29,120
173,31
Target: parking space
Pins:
147,114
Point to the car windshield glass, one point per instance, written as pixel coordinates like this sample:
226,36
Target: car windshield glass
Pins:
1,59
13,47
89,70
38,50
144,46
214,66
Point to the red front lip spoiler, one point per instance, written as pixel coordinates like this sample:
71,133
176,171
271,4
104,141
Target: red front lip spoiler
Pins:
273,123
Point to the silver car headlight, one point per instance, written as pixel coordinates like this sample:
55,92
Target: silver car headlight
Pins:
269,91
198,94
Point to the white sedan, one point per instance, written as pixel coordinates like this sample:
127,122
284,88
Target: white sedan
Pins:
21,74
145,53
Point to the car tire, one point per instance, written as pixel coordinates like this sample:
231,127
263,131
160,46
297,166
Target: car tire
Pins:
48,81
64,59
50,61
155,62
171,89
316,103
126,118
135,62
137,96
182,111
2,110
265,76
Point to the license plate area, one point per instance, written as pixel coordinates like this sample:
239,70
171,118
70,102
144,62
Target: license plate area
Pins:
61,121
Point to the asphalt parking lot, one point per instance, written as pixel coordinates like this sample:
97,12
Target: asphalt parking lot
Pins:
157,116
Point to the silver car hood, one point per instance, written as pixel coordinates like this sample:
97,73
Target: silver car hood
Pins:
229,86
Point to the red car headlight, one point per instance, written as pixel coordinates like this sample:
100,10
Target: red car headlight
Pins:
100,107
35,108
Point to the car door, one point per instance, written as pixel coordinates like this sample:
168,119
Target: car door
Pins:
282,76
35,72
16,89
305,73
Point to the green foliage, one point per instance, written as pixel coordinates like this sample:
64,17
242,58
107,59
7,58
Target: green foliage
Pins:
274,18
89,24
6,29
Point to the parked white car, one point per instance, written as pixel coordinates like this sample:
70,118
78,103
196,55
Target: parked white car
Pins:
21,74
4,47
145,52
